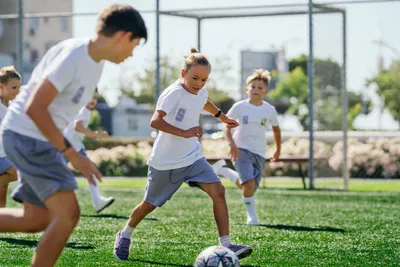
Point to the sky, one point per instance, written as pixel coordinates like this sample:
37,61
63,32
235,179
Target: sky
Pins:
225,38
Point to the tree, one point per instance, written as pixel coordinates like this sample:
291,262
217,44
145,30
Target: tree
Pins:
326,72
388,86
293,90
169,72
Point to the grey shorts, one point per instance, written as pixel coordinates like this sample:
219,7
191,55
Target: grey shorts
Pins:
41,168
249,166
5,164
162,184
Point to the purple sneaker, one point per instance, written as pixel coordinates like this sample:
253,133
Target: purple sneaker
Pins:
241,251
121,247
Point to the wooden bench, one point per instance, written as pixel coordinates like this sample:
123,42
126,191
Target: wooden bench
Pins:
300,161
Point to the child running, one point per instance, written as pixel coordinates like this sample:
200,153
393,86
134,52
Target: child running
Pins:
62,83
10,81
248,142
75,132
176,156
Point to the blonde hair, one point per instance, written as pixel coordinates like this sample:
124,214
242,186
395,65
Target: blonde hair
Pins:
259,74
7,73
195,58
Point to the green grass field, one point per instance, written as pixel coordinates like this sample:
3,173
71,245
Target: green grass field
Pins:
300,227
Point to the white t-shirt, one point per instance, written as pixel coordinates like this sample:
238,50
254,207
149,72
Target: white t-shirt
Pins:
251,132
73,73
3,110
183,110
74,136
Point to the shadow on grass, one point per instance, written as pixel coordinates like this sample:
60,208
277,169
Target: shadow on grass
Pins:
299,228
113,216
33,243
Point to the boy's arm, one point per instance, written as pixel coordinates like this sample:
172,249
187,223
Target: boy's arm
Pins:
37,109
211,108
234,150
277,136
78,125
157,122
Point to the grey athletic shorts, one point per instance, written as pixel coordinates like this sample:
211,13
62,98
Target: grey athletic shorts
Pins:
41,167
162,184
249,166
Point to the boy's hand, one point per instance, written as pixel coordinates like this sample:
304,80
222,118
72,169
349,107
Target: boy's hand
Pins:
230,123
193,132
235,152
83,165
276,155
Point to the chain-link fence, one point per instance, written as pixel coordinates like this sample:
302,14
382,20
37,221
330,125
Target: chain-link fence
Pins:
370,155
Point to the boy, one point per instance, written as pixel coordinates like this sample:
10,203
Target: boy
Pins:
61,84
74,133
176,156
248,142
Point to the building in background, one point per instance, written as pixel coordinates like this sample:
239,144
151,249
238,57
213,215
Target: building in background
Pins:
39,34
274,61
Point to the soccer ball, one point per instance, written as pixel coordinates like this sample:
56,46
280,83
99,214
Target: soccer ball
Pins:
217,256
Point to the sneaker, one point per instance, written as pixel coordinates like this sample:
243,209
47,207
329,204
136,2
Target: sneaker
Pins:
218,165
121,247
253,221
241,251
103,203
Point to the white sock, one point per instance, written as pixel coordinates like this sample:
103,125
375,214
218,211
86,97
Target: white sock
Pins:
127,232
251,207
225,240
94,192
229,173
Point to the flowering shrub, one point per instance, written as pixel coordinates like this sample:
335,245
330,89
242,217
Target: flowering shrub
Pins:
376,158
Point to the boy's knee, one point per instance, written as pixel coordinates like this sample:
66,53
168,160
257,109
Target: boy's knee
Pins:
148,206
218,192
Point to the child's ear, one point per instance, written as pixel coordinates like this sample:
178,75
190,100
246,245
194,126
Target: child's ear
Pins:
183,72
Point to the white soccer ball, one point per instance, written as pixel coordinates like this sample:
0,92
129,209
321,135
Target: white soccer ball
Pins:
217,256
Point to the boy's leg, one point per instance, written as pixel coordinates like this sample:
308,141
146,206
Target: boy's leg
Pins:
249,167
123,237
30,219
216,191
9,176
99,202
64,211
202,175
159,189
3,194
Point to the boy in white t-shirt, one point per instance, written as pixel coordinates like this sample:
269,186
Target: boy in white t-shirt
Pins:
248,142
75,132
10,82
61,84
177,156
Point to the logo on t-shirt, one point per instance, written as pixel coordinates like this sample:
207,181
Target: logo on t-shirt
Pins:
263,121
245,119
78,95
180,115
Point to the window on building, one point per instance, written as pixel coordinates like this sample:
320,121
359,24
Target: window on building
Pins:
33,26
64,24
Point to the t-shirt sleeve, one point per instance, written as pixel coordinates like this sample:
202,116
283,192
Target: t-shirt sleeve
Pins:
273,117
62,71
82,115
233,112
167,101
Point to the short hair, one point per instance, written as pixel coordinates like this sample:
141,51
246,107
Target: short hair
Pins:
259,74
7,73
195,58
121,18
